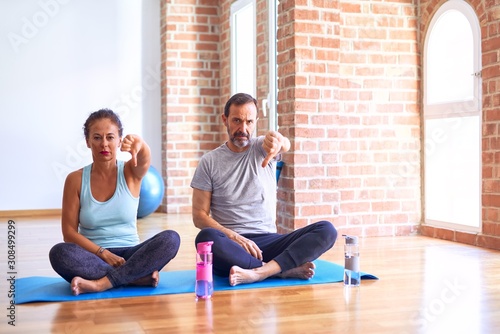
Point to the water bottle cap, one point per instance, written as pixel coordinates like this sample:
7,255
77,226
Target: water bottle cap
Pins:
351,240
204,247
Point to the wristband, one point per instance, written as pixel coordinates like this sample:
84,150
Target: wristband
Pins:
99,251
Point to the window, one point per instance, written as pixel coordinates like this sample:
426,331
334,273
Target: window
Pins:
452,118
272,97
243,54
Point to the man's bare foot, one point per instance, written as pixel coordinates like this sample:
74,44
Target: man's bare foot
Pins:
239,275
151,280
305,271
80,285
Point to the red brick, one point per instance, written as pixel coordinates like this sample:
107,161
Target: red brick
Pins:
486,241
466,238
445,234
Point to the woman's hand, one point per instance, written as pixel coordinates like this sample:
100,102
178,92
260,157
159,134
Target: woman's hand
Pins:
111,259
132,144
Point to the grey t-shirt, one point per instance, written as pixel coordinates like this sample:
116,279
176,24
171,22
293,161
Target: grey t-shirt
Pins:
243,192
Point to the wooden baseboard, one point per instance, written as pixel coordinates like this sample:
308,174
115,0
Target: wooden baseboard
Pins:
11,214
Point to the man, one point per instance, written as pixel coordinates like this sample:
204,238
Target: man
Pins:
234,205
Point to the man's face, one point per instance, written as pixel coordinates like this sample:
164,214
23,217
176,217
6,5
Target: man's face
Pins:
240,125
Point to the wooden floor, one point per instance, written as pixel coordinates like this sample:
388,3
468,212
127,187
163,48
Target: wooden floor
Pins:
426,286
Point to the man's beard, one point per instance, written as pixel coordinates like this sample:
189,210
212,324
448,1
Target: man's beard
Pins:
239,142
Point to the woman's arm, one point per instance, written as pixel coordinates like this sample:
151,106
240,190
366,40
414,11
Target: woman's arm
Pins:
71,211
138,166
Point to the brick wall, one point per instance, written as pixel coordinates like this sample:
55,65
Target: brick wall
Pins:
488,14
308,84
191,89
349,100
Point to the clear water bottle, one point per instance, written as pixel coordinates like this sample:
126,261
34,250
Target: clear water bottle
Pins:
352,275
204,286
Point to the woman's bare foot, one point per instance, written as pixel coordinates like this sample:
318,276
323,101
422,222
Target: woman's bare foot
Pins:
305,271
80,285
151,280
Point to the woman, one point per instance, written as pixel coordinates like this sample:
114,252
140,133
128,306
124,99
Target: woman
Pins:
99,215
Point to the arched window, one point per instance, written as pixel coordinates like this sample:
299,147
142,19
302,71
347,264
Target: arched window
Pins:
452,118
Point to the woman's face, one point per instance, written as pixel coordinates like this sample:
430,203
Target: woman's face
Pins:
104,140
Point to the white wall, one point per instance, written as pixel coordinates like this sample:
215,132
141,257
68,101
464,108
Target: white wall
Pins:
59,61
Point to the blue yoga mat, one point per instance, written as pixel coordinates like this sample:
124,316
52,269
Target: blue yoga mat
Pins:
55,289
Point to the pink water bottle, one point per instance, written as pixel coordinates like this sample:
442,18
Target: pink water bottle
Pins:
204,280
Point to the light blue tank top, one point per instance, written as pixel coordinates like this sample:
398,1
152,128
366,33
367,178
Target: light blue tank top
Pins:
112,223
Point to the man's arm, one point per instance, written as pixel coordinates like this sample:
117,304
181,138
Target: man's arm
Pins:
202,219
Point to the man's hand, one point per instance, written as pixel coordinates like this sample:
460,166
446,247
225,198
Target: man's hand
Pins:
248,245
273,144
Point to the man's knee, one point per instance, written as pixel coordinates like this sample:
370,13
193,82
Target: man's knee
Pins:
208,234
328,232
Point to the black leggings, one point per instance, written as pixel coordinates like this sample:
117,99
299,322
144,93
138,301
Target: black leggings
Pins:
288,250
70,260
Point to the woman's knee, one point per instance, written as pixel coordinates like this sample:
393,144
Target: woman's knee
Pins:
59,251
59,256
171,238
54,253
56,249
